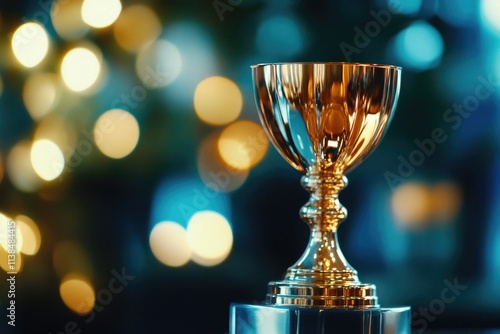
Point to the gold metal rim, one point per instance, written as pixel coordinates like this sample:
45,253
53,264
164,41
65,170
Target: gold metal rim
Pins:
332,63
352,296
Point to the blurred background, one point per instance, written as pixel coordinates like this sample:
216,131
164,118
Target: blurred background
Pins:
147,198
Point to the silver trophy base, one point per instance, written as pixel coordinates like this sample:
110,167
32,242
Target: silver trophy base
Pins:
270,319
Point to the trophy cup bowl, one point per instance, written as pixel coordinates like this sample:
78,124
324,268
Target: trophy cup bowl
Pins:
324,119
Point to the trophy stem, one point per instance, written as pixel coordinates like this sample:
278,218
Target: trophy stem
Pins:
323,261
322,276
323,211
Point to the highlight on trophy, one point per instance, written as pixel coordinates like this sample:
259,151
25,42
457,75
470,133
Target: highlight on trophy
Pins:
325,119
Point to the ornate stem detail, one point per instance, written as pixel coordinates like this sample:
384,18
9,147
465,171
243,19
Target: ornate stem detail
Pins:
324,212
323,261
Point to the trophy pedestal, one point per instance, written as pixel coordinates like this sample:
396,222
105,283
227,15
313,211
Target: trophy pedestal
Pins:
270,319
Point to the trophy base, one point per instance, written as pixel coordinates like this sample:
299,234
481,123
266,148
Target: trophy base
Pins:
270,319
297,293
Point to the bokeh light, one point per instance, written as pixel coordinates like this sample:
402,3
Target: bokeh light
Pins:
6,224
67,19
168,242
116,133
12,266
419,205
217,100
19,168
47,159
418,47
243,144
80,69
30,44
137,26
158,64
214,171
200,59
77,293
447,201
41,92
280,35
100,13
210,237
6,263
412,204
32,238
490,13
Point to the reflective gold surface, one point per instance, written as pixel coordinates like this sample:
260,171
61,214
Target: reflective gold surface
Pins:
324,119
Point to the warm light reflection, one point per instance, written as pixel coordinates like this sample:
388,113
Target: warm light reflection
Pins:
418,205
77,293
68,257
80,69
217,100
30,44
447,201
168,242
137,26
116,133
100,13
158,64
19,168
67,19
47,159
1,86
411,204
13,266
243,144
40,94
214,171
210,238
32,237
6,224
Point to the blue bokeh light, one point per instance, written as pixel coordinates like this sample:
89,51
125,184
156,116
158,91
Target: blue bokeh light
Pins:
280,35
407,7
177,198
418,47
199,61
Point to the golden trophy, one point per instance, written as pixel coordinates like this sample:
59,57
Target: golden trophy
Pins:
324,119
